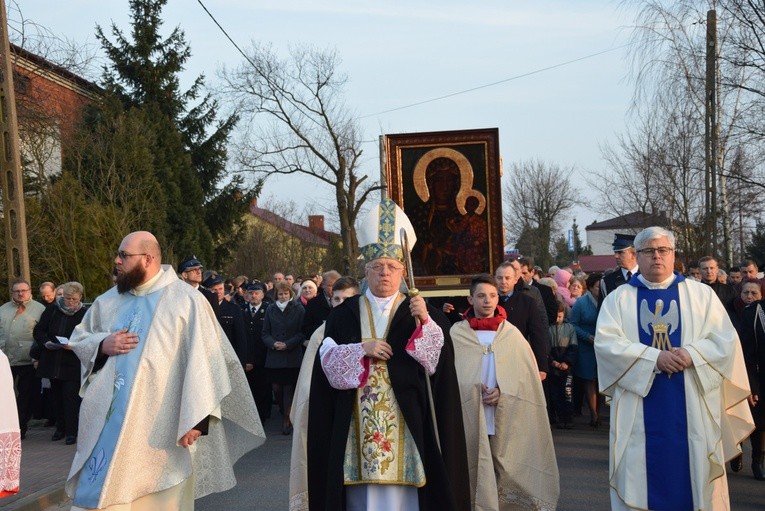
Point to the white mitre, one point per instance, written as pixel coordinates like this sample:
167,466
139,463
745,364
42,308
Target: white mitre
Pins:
379,234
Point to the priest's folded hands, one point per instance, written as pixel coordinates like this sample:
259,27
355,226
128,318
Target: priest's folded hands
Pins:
674,361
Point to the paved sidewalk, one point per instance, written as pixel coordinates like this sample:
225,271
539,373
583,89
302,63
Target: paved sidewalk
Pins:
44,467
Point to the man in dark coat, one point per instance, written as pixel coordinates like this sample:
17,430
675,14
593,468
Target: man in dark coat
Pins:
396,371
524,314
190,271
546,292
317,309
626,259
710,269
254,312
230,317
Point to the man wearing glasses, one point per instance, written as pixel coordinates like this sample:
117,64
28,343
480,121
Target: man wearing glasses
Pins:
370,437
190,271
157,375
17,321
670,359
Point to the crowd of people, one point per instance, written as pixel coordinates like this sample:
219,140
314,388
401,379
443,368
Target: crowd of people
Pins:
365,376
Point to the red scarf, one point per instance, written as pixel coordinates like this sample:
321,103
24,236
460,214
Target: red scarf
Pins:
486,323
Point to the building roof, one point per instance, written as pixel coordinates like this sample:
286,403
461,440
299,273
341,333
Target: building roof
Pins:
41,66
313,236
596,263
635,221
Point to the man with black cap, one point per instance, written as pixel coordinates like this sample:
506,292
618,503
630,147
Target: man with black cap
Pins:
626,259
229,316
255,364
190,271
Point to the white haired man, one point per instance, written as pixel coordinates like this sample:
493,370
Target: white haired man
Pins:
670,359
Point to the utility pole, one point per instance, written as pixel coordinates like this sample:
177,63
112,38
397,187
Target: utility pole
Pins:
711,136
10,164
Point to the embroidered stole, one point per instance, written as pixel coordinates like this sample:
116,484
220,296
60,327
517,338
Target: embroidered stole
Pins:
668,479
380,448
135,314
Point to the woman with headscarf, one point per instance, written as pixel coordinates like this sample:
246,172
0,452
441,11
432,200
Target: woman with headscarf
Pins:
562,279
57,362
308,290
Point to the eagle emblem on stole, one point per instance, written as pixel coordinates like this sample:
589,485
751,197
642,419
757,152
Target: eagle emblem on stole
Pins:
663,325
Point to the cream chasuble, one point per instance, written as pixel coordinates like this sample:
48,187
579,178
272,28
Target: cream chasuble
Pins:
185,354
515,468
716,388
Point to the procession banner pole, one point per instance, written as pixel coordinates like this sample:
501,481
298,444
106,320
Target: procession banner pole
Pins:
413,291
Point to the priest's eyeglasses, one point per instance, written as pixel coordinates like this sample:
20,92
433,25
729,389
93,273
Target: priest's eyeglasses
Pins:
662,251
379,267
124,255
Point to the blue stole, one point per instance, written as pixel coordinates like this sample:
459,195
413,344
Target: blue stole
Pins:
668,471
135,313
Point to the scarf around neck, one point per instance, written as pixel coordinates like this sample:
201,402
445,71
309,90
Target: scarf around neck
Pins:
491,323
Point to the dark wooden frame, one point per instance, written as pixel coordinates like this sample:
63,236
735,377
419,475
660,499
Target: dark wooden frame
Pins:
480,148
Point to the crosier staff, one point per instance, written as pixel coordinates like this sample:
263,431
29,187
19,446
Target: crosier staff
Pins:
413,291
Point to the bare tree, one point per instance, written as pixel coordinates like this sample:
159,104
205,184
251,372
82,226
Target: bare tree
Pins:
299,124
538,195
669,73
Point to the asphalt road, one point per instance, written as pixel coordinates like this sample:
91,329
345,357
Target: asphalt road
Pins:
263,475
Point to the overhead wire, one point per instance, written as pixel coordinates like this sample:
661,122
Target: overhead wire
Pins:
445,96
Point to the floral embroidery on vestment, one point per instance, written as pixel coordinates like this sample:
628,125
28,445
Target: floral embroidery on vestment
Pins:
10,462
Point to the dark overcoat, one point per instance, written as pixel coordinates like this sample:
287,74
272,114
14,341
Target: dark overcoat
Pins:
58,364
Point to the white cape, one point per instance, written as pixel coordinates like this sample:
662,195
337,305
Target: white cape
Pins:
514,469
188,371
716,389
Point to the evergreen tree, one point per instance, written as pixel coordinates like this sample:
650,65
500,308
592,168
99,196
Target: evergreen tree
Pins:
564,256
756,249
189,140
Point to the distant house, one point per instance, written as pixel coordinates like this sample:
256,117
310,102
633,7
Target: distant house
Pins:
277,244
596,263
50,101
600,235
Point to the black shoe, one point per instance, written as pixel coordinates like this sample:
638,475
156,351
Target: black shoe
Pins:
70,440
737,463
58,435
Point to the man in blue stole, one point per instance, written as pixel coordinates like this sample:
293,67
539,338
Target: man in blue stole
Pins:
670,360
158,374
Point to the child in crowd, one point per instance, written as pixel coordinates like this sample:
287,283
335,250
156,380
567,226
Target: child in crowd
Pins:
563,346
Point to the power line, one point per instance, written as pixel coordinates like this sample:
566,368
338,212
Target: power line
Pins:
516,77
226,34
439,98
